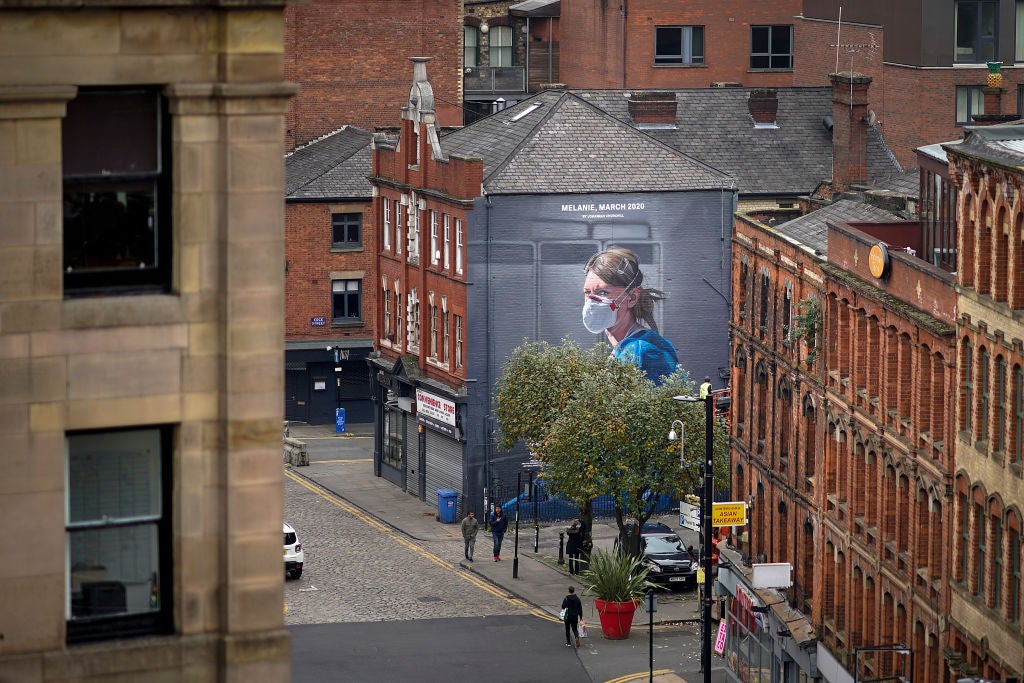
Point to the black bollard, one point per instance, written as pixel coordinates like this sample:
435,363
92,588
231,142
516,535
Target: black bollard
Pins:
561,547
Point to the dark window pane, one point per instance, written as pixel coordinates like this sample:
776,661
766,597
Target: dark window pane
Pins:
759,39
111,133
698,44
668,45
760,62
110,230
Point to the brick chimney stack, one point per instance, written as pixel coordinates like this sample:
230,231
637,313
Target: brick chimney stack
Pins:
849,129
652,107
763,105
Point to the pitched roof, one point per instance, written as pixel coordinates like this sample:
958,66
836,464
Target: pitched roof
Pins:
1001,145
715,126
811,230
555,143
332,167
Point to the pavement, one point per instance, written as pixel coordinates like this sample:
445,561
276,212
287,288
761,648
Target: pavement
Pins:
530,571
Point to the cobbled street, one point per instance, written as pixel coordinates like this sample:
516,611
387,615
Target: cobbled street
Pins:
358,570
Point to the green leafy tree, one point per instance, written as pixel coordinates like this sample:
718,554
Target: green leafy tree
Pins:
601,427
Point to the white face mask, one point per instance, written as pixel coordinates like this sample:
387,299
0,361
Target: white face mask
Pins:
599,313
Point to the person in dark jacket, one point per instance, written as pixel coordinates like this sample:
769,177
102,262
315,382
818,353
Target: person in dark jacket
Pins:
573,613
499,523
574,546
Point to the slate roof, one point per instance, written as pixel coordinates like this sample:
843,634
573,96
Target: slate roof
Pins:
1001,145
906,183
812,230
715,126
333,167
556,143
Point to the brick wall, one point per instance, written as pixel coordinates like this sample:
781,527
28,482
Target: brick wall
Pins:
364,81
311,262
593,48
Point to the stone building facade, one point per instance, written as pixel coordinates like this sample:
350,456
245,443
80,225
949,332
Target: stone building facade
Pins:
986,630
141,327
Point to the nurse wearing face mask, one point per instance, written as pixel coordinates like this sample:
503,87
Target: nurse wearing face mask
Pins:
614,302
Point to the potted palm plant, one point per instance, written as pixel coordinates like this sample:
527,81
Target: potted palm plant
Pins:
618,581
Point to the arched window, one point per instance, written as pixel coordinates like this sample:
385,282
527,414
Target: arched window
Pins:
999,401
967,408
983,395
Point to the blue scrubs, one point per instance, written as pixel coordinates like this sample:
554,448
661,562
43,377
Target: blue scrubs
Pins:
650,352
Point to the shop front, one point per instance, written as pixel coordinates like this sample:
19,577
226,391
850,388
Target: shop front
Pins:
766,640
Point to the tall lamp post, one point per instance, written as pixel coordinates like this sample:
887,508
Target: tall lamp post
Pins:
705,523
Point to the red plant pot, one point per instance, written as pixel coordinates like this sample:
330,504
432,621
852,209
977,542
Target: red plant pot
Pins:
616,618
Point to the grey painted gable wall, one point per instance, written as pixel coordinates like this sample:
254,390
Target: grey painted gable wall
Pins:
525,265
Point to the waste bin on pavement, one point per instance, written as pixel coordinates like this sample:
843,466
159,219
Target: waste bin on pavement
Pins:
446,505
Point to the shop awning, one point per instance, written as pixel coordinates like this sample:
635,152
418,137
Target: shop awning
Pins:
536,8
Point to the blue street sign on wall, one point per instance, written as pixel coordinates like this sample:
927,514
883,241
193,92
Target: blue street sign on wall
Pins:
318,321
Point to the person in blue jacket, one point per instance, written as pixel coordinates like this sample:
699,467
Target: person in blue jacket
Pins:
616,303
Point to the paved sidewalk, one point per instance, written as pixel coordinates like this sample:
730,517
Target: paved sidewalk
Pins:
342,464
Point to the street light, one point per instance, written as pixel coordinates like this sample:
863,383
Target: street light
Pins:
705,521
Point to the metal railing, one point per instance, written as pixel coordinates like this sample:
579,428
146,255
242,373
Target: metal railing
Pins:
494,79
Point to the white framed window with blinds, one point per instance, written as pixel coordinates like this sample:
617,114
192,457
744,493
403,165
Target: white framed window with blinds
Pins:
386,211
458,245
447,241
435,253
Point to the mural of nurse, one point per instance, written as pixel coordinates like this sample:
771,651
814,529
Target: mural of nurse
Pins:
616,303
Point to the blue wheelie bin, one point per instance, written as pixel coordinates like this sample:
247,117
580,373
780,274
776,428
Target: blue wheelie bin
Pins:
447,504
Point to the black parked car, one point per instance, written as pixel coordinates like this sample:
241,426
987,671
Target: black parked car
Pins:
670,562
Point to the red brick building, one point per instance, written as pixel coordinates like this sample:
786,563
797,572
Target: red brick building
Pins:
666,44
330,276
349,58
927,61
844,356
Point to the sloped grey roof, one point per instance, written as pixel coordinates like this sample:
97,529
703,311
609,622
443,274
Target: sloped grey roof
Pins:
556,143
906,183
714,125
1001,145
332,167
812,229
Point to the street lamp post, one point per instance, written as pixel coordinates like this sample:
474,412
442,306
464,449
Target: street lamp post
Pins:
705,523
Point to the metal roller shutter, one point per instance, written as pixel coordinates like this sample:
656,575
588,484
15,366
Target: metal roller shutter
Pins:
444,465
412,456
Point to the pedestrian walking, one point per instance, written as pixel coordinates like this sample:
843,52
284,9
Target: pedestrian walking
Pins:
499,523
705,388
574,546
470,526
573,613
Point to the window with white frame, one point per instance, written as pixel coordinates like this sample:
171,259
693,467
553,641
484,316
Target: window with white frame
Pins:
458,342
388,332
447,240
977,31
116,154
346,301
433,331
399,215
458,246
118,533
675,45
771,47
499,43
435,253
970,100
397,341
412,323
386,211
446,346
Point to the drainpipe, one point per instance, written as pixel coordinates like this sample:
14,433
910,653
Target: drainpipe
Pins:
624,10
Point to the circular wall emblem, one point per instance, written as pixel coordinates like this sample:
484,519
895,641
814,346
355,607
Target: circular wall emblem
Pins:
878,261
